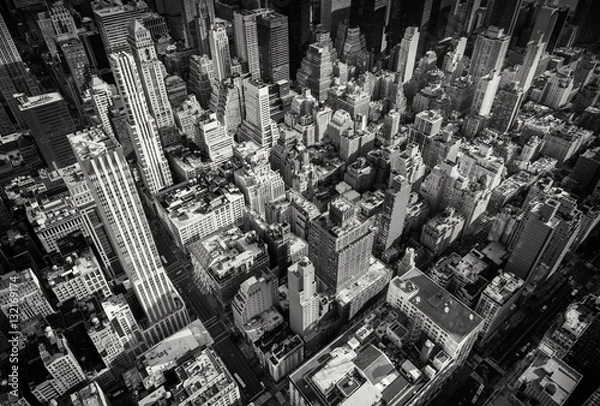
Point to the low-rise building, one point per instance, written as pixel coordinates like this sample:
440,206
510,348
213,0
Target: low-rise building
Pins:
442,230
351,299
225,260
280,352
22,296
193,210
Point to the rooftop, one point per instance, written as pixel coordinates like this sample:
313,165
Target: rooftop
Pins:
439,305
225,251
503,287
72,266
376,272
358,368
201,376
189,202
164,355
28,102
45,213
91,143
552,376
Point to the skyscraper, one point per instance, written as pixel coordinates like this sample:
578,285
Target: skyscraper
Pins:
489,52
370,16
506,106
219,49
141,127
151,74
316,69
49,120
586,18
258,126
111,183
535,51
246,40
101,98
339,245
202,74
213,138
14,78
496,300
485,92
543,238
302,295
408,54
393,212
205,18
503,14
273,46
112,20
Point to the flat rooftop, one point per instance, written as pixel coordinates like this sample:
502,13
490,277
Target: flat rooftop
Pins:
188,203
358,368
376,272
164,355
91,143
438,304
552,376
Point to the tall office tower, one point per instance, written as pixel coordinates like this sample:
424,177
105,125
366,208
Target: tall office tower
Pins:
246,40
316,69
77,61
351,45
485,92
496,300
503,14
407,55
506,107
212,137
543,238
111,183
489,52
273,46
370,16
227,100
57,20
141,127
339,245
535,51
586,18
393,212
258,126
302,296
202,75
549,23
14,78
151,74
219,49
112,20
102,100
49,121
205,18
333,12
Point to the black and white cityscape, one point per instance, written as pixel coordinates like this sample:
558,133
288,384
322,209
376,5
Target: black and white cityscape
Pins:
299,202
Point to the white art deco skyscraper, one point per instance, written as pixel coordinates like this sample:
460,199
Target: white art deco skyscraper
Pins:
141,126
408,53
219,49
112,186
152,73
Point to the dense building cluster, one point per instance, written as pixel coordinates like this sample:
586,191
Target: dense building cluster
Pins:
301,202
